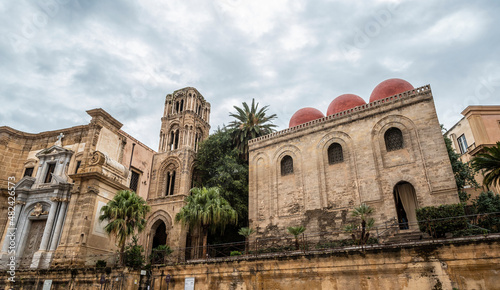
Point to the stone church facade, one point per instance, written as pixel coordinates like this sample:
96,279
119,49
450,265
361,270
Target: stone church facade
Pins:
389,154
62,179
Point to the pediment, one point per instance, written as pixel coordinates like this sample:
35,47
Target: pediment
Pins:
54,150
25,182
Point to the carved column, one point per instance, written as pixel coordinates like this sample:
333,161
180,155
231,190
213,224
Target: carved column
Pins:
48,227
59,223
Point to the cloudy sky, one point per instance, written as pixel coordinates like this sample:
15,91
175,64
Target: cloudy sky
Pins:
59,58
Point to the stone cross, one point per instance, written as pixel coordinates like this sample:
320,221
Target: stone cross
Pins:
59,140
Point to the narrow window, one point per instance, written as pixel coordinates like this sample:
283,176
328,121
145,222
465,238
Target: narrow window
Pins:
172,138
134,181
462,143
177,107
393,139
286,165
199,110
28,171
170,183
182,105
335,154
50,170
176,140
78,163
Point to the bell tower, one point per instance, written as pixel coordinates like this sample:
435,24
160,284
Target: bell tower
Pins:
185,123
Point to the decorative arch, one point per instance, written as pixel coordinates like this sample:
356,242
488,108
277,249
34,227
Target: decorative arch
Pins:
288,191
260,199
346,172
411,152
154,221
169,175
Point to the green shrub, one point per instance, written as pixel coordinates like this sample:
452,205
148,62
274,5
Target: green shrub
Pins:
488,202
235,253
437,221
134,257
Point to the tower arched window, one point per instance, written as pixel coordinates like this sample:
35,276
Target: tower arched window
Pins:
170,183
286,165
393,139
182,106
335,154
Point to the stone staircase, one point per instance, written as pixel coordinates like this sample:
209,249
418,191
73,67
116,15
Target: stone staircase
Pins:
406,236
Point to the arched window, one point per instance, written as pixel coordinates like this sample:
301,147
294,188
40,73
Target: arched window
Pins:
393,139
335,154
286,165
170,183
182,105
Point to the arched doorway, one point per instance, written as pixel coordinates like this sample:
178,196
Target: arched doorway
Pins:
406,205
159,234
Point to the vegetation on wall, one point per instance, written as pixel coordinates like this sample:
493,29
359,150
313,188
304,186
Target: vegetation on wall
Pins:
487,206
464,175
437,221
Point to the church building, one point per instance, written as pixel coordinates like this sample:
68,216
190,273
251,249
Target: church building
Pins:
388,153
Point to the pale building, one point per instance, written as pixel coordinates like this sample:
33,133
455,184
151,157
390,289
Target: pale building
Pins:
479,128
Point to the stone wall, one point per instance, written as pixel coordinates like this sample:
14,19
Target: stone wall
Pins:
462,264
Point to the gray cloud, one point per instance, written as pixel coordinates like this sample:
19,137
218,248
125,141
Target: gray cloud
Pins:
62,57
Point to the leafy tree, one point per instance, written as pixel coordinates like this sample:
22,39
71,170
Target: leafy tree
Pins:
296,231
218,164
206,209
361,212
250,123
464,175
126,214
485,204
489,163
246,232
134,254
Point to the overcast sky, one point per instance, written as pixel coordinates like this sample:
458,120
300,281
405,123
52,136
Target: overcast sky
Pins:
61,58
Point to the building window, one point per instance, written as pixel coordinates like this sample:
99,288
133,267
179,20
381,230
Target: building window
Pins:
78,163
335,154
28,171
393,139
286,165
462,143
50,170
170,183
134,181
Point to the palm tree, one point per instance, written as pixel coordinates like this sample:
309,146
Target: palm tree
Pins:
250,123
362,212
489,163
296,231
246,232
207,209
125,214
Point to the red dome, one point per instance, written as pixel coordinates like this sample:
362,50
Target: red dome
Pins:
344,102
305,115
389,88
